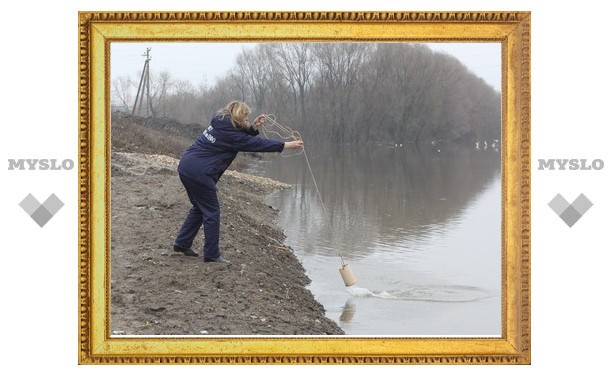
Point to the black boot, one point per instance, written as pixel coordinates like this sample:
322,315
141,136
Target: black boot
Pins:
186,251
219,259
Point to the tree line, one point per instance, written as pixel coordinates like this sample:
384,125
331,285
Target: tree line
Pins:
353,93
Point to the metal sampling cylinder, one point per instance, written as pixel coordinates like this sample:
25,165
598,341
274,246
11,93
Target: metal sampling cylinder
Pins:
347,275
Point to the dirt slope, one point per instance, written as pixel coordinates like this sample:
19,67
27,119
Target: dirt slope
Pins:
155,291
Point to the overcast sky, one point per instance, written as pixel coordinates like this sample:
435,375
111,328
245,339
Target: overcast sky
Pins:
205,62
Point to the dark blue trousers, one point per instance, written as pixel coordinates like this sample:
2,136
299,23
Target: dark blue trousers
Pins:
205,212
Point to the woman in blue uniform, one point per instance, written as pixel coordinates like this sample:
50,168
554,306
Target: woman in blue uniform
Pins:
204,162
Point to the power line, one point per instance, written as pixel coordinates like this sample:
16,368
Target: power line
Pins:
144,86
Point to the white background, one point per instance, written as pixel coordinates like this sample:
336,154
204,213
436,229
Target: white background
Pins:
570,117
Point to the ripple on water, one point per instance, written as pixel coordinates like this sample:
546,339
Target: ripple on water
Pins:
426,293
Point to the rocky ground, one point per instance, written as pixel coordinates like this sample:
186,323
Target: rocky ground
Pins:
155,291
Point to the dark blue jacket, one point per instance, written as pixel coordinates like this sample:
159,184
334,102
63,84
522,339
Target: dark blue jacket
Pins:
217,147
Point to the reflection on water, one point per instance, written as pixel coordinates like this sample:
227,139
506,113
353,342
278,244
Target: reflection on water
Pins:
420,229
348,310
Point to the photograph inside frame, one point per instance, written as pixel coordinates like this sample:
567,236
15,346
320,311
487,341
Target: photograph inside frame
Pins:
272,194
399,180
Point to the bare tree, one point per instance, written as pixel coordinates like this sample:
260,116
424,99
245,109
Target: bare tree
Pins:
296,62
342,93
122,92
162,83
338,66
253,69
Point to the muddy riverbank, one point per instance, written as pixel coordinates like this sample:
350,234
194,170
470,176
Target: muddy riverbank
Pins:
155,291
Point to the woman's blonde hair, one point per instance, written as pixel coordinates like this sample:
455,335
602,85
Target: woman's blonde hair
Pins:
238,112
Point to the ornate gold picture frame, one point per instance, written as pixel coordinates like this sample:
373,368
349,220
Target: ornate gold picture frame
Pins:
98,29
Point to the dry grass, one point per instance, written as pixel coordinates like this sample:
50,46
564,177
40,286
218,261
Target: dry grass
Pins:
128,136
146,136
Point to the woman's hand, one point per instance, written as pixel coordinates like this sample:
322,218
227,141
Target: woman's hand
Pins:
294,144
259,121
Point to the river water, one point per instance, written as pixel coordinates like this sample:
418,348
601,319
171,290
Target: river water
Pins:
420,228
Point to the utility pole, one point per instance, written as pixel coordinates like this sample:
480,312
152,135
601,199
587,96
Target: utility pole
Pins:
144,86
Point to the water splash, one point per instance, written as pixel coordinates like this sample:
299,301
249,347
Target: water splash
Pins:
356,291
363,292
428,293
385,295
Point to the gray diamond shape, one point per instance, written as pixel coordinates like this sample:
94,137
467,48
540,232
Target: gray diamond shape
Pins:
41,213
41,216
29,204
558,204
570,216
582,204
53,204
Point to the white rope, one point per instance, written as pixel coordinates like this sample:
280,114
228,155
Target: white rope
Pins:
286,133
